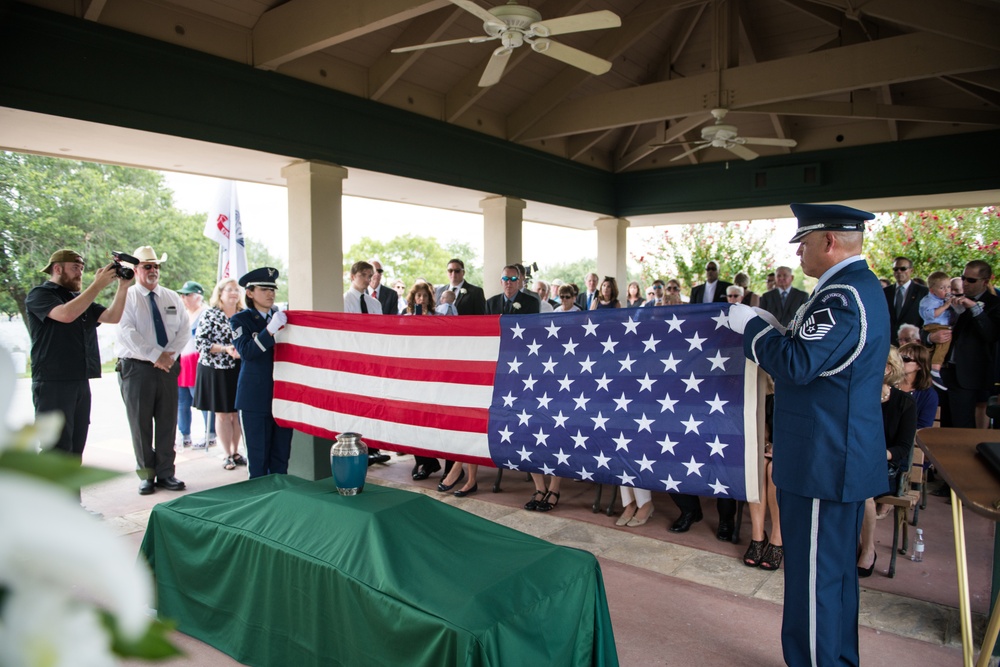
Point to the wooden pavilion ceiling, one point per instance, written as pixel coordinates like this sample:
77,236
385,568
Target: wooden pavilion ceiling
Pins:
826,73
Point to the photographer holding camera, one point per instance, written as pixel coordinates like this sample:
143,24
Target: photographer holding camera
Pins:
63,321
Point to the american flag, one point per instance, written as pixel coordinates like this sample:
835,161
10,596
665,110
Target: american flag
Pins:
648,397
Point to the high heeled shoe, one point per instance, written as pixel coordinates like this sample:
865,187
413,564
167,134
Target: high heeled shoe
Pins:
867,571
755,552
626,515
635,523
468,492
442,487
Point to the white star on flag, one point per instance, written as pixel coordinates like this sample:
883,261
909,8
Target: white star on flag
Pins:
579,440
602,460
627,363
609,345
599,422
560,420
562,457
671,484
716,405
717,447
581,402
505,434
719,487
543,401
643,424
675,324
515,365
541,437
721,320
533,347
590,328
621,442
585,475
565,383
509,399
549,366
630,326
646,384
529,383
718,361
516,331
626,479
667,403
525,454
670,364
603,382
553,330
645,464
585,366
523,418
650,344
622,403
695,342
569,347
694,468
691,382
691,425
667,445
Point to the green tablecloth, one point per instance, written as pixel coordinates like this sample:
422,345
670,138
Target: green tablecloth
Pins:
281,571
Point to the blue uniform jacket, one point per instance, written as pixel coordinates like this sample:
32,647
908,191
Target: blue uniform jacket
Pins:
255,388
828,370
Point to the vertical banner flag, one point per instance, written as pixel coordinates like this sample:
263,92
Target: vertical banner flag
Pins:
224,227
657,398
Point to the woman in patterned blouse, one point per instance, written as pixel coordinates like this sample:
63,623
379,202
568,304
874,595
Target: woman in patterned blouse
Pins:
219,369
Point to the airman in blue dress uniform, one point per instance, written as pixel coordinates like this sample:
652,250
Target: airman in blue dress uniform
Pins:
829,455
268,445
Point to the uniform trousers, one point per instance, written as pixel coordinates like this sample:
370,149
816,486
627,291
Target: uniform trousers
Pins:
820,614
72,399
150,397
691,505
268,445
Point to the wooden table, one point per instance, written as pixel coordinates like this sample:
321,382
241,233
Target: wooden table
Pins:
973,484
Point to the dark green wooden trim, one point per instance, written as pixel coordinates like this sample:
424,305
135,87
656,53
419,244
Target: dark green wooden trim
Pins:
958,163
55,64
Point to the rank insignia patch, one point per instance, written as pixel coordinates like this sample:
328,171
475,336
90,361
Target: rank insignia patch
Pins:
817,325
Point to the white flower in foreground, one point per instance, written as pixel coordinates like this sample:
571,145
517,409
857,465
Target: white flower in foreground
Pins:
45,628
51,547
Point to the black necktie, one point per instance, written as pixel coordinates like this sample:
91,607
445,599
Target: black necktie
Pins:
364,306
900,293
161,331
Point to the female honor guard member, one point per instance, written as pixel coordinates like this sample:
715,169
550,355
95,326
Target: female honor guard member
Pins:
827,369
268,445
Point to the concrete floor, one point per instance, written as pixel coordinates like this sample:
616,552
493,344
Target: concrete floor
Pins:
674,599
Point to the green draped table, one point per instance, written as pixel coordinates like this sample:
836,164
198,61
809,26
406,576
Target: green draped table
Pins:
282,571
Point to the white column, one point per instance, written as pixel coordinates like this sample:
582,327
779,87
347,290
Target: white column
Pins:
502,218
315,235
611,252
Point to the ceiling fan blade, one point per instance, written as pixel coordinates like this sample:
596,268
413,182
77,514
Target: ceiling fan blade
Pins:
702,147
495,67
768,141
576,23
571,56
484,15
464,40
740,151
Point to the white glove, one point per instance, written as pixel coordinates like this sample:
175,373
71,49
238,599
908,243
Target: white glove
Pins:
278,320
739,315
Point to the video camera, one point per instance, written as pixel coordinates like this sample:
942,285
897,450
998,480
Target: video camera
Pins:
124,272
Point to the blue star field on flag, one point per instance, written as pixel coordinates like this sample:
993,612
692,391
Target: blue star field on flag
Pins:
644,397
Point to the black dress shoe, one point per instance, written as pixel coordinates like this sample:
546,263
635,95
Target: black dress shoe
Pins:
442,487
377,458
146,487
684,521
725,532
462,494
420,473
171,484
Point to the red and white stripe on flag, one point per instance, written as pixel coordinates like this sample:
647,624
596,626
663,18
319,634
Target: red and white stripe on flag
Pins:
419,385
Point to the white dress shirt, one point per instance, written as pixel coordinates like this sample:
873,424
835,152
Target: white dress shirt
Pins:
352,302
136,334
709,295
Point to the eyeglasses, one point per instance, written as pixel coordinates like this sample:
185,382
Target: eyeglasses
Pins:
148,267
508,279
673,288
566,298
379,270
967,279
900,269
656,287
732,296
711,268
907,360
455,270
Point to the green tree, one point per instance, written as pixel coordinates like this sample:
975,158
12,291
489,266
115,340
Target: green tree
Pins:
48,203
681,252
259,255
409,257
576,271
934,240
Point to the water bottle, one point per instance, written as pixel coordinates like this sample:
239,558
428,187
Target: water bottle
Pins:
918,547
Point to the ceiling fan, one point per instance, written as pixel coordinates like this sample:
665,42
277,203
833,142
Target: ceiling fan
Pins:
722,135
515,25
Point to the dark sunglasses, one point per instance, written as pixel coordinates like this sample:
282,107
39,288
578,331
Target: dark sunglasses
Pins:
149,267
732,296
967,279
958,293
508,279
907,360
455,270
564,298
897,269
655,287
711,268
379,270
672,288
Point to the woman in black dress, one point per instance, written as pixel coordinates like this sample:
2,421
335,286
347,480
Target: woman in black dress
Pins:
219,369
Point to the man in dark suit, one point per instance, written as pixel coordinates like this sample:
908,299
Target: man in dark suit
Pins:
783,300
512,301
583,299
903,298
714,290
469,299
969,371
385,295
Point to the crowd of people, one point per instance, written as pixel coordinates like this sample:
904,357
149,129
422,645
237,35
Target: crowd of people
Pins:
937,341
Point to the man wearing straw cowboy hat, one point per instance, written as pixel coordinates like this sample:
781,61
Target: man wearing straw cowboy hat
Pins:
152,332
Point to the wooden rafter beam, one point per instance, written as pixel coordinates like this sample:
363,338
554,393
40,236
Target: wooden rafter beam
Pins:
905,58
